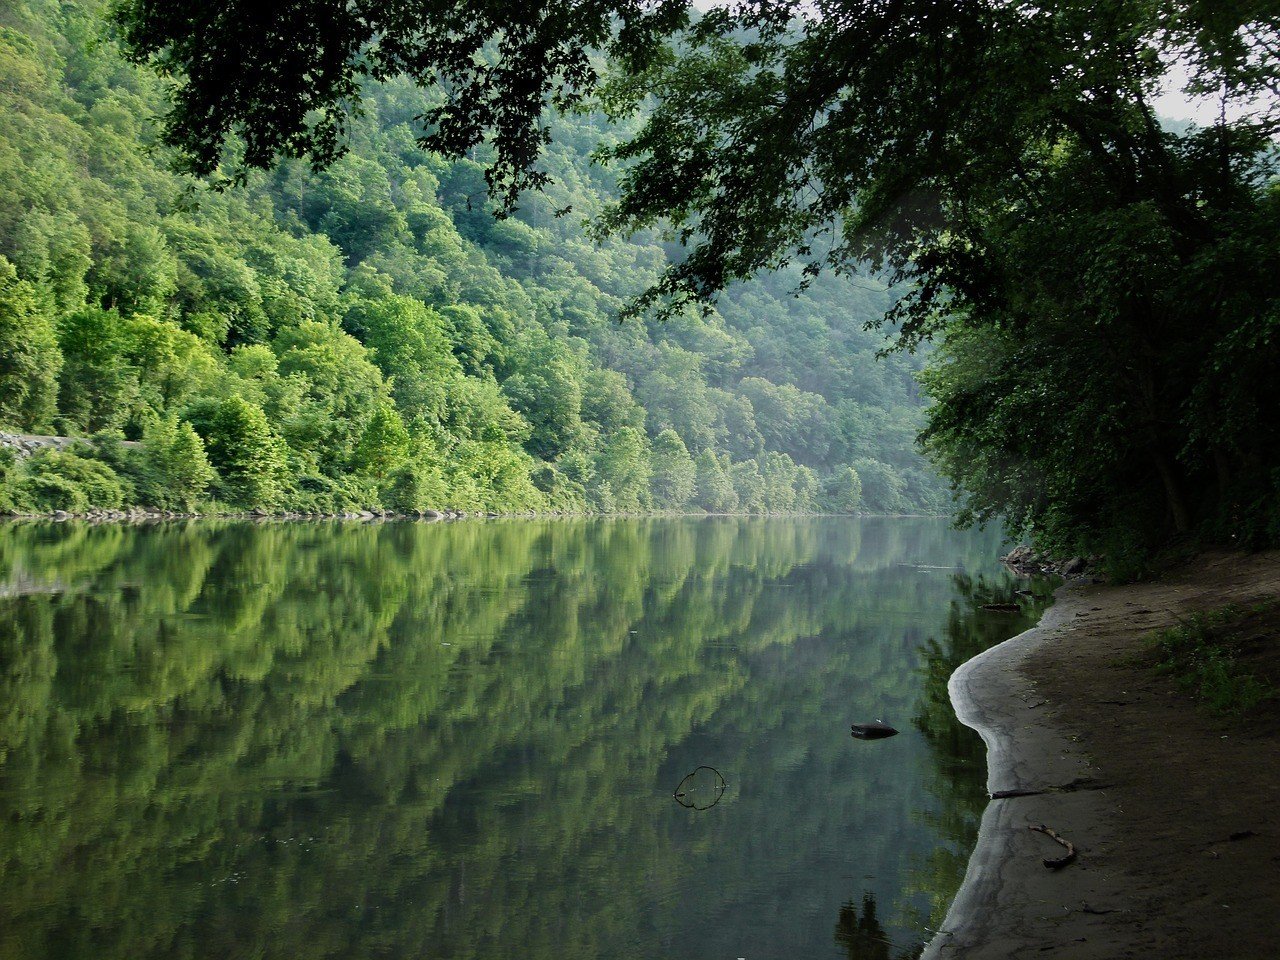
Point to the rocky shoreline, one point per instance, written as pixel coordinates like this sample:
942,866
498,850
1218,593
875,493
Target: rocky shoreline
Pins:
144,515
1025,562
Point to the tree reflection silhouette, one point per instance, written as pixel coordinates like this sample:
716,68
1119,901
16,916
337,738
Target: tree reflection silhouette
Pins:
359,741
859,933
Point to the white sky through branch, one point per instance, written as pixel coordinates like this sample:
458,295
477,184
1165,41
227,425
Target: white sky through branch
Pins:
1172,103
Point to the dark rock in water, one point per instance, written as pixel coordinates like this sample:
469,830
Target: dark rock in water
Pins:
873,731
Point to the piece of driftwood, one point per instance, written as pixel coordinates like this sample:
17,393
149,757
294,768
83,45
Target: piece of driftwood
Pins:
1002,607
1056,863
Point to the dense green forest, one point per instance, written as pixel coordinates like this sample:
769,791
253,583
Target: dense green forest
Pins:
372,336
1101,283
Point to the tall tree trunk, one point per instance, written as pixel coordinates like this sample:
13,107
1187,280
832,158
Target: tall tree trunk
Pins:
1173,495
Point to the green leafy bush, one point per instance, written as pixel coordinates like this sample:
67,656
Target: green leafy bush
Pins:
1203,655
413,487
64,480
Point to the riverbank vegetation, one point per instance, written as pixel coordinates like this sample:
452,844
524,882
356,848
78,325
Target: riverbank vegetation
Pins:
1216,655
1101,283
370,336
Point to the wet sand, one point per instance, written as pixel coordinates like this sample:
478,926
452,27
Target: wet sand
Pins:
1175,816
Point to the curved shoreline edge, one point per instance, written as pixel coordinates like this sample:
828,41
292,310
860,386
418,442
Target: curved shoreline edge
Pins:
1172,813
1001,904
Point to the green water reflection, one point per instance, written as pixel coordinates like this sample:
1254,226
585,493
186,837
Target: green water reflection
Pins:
367,741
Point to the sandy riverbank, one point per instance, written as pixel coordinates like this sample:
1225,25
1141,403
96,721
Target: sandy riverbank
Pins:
1118,759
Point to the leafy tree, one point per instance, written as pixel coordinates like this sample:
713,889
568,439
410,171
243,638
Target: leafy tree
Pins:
807,489
474,343
547,391
409,344
675,476
880,487
295,104
177,471
748,486
479,411
623,464
248,455
341,389
138,274
716,492
352,204
385,443
790,420
29,356
781,482
608,403
843,492
99,387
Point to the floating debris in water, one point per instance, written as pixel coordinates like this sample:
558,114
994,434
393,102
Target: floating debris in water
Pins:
873,731
700,790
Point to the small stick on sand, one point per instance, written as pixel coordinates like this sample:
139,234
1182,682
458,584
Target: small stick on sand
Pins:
1056,863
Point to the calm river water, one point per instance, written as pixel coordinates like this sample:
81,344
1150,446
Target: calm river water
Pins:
225,740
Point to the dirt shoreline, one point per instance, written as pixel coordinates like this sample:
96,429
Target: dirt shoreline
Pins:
1175,816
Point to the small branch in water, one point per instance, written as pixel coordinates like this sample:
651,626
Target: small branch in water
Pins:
1055,863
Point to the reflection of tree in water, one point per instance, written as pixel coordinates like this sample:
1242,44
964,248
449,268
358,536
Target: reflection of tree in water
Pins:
958,780
225,739
859,934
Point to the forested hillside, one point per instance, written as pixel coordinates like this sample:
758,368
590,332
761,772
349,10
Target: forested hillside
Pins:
372,336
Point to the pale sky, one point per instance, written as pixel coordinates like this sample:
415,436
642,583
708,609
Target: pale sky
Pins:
1172,103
